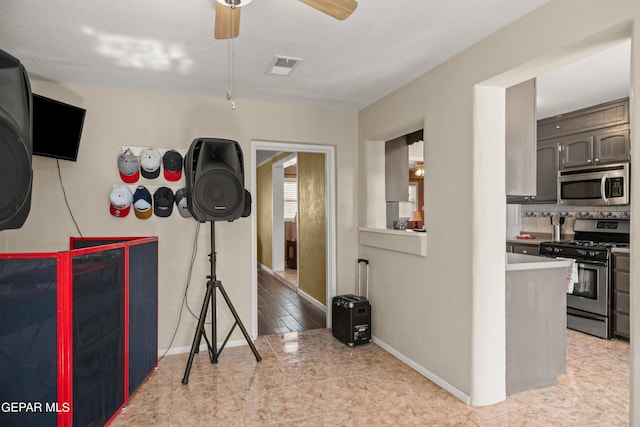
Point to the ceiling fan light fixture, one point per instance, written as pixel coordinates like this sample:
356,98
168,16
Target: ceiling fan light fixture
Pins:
234,3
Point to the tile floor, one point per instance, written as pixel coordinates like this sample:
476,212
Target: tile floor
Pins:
311,379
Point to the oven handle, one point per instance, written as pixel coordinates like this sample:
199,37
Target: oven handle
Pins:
603,189
581,262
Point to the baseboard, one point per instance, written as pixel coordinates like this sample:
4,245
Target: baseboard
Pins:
459,394
265,268
203,347
312,300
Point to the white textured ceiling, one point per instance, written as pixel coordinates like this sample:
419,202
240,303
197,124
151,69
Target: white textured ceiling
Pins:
603,76
168,45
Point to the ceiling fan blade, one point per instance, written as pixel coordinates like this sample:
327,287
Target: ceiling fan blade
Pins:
227,22
339,9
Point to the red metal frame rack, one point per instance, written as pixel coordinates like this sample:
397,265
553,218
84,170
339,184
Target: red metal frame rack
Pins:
146,258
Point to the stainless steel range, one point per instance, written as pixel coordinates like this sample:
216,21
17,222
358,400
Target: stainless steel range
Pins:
589,300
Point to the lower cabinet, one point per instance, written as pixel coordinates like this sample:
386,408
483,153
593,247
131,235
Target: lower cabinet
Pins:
535,327
523,248
621,294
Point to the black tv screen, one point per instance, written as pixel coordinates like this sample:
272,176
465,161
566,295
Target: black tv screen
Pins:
57,128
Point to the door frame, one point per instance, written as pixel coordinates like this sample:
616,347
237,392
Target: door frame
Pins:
330,216
277,226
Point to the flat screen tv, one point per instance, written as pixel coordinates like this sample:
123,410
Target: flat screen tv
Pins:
57,128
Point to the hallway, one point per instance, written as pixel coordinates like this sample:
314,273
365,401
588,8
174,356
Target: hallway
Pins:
282,310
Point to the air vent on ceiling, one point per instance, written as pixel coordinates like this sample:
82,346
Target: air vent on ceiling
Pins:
282,65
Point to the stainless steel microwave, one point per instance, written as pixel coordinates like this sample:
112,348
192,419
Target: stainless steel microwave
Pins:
599,186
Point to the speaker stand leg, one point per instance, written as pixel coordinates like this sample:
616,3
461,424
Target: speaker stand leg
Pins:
197,339
210,298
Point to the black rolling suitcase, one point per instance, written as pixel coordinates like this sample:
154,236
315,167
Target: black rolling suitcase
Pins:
351,314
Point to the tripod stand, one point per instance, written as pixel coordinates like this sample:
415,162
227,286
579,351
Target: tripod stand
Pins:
210,298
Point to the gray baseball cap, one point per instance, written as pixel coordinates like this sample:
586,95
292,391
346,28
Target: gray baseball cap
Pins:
129,167
181,203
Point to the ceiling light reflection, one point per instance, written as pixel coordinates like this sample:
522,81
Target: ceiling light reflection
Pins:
141,53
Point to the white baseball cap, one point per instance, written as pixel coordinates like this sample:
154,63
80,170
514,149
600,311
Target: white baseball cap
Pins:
150,161
121,199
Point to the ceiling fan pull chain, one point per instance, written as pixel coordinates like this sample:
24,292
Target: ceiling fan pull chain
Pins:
231,69
229,94
233,74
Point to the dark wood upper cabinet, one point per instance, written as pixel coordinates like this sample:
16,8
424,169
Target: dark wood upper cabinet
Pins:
608,114
590,136
547,173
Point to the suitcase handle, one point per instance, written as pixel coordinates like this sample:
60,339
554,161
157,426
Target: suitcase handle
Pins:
366,262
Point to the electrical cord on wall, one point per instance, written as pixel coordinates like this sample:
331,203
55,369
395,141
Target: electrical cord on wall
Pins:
184,302
64,193
193,259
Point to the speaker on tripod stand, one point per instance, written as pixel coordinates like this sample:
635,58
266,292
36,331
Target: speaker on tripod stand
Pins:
15,143
214,173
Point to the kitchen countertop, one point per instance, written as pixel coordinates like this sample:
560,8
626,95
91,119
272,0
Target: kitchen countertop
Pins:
621,250
514,262
534,241
537,238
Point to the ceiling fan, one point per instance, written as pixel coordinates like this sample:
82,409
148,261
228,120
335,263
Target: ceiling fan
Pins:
228,13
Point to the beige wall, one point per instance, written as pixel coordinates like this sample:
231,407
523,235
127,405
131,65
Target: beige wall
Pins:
118,117
445,311
312,226
264,211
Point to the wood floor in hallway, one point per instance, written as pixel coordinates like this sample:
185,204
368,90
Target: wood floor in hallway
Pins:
281,309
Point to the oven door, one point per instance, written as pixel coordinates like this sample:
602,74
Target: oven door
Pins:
591,292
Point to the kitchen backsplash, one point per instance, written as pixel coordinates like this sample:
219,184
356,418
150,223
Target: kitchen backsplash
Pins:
536,218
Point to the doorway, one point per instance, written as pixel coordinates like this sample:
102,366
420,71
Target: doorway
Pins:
284,190
324,261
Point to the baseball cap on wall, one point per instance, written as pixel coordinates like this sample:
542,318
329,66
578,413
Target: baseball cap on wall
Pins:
142,203
172,163
163,202
121,199
129,167
150,161
181,203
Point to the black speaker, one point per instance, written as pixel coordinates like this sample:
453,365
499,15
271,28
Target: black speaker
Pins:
214,174
15,143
